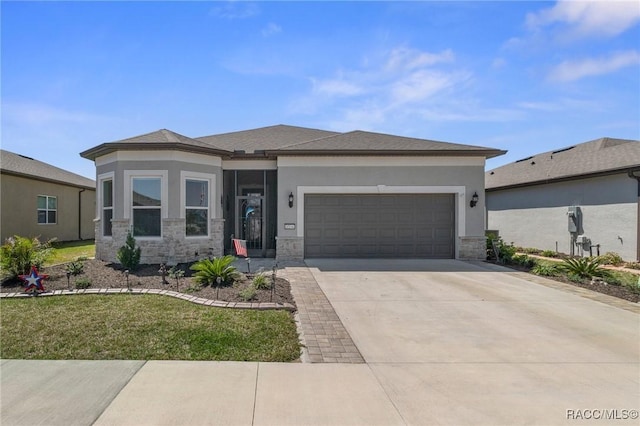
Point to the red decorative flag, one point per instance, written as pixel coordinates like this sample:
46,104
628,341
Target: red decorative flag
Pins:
241,247
33,281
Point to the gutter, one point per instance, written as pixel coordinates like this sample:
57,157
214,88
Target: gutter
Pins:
632,174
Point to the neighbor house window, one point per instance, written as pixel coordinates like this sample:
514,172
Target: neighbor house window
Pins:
107,207
47,209
197,207
146,206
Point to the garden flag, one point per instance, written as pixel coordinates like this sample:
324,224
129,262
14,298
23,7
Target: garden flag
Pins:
33,281
240,247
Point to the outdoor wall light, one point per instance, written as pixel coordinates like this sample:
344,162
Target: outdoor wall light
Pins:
474,200
290,199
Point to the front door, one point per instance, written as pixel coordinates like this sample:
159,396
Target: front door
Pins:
250,220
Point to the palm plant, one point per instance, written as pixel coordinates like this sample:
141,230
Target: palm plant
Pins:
208,270
584,267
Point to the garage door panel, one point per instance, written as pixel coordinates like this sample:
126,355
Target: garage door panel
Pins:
379,225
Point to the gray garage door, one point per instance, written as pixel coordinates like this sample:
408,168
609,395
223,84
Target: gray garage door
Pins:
363,225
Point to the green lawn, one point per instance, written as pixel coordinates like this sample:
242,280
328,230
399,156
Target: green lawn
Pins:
141,327
70,251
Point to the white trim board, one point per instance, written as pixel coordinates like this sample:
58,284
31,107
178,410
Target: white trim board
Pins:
353,161
459,191
143,156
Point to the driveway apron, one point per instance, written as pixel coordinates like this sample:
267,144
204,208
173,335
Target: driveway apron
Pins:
459,343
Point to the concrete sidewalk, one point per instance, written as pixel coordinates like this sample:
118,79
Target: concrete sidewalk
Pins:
192,393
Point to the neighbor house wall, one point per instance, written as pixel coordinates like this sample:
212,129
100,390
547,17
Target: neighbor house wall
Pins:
536,216
19,214
173,246
459,175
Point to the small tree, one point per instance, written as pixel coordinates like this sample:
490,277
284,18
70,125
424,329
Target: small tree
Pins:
129,254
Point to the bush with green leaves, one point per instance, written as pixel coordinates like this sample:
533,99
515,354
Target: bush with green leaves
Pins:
208,270
129,255
74,268
261,281
248,293
176,273
583,267
19,254
611,258
82,283
549,253
545,269
523,260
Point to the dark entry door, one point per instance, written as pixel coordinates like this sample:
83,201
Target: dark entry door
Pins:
250,221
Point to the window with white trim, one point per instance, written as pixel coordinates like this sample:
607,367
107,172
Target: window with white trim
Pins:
107,207
146,206
47,210
197,207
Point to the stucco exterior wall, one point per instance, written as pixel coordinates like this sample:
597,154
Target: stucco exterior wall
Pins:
536,216
173,246
18,209
460,175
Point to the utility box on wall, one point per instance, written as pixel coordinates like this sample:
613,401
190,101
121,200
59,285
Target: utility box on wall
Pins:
575,219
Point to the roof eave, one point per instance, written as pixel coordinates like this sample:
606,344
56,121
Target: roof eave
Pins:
564,178
399,153
45,179
108,148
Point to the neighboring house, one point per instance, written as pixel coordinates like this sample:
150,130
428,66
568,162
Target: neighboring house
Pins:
290,192
571,199
40,200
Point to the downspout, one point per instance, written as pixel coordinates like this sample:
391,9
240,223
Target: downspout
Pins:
632,174
80,213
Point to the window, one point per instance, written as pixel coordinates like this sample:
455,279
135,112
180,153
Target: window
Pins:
107,207
197,207
147,206
47,210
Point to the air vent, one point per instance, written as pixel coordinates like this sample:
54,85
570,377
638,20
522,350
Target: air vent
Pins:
562,150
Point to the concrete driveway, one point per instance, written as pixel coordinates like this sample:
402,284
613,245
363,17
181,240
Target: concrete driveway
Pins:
461,343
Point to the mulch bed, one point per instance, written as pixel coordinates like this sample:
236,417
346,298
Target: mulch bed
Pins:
108,275
619,291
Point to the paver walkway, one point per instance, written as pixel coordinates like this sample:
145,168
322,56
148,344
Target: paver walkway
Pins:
322,332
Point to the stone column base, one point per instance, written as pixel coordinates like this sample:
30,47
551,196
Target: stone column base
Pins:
289,248
472,248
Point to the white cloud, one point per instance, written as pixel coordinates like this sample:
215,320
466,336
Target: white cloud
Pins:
588,18
271,29
575,70
423,84
235,10
403,58
336,87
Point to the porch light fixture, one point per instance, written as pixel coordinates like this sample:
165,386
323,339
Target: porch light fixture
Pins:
474,200
290,199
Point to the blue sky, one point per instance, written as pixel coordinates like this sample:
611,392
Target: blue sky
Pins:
522,76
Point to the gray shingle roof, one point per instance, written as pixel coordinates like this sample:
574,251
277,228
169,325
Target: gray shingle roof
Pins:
25,166
291,140
265,138
369,142
594,157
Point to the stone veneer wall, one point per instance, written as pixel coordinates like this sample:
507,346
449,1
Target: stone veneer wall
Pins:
172,248
289,248
473,248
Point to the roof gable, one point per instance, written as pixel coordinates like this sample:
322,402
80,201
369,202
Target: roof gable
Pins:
602,155
26,166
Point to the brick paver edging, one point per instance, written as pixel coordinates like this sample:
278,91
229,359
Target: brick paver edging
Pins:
136,291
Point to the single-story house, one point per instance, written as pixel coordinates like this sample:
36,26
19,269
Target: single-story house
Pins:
575,200
292,193
40,200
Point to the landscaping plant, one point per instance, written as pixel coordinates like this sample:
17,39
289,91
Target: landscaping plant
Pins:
545,269
74,268
549,253
583,267
18,254
208,270
83,283
611,258
248,293
261,281
129,255
176,273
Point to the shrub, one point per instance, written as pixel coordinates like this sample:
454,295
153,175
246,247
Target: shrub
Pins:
523,260
611,258
83,283
548,253
584,267
129,255
208,270
632,265
261,281
248,293
530,250
74,268
545,269
18,254
176,273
